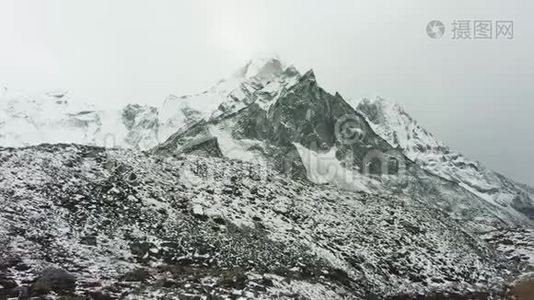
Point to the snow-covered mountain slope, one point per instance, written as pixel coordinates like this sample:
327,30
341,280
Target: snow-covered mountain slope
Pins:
30,119
297,131
391,122
260,80
125,224
55,118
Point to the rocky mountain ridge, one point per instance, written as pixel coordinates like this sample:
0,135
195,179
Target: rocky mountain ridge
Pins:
304,131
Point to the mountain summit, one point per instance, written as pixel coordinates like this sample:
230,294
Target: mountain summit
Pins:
261,68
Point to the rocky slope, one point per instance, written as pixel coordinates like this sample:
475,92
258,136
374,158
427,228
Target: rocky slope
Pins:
91,222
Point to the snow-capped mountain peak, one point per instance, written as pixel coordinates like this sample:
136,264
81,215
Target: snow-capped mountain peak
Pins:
390,120
398,128
261,68
260,80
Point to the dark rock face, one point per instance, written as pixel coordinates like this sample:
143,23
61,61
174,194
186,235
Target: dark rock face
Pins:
235,279
194,139
139,275
7,283
307,115
524,204
303,113
8,286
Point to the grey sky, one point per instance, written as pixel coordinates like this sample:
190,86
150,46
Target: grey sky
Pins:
475,95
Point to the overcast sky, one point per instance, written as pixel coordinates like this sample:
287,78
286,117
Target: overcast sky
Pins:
475,95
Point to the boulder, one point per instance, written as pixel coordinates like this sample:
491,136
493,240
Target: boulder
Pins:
53,279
